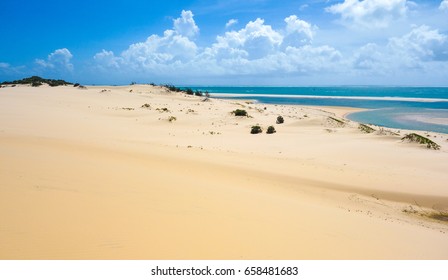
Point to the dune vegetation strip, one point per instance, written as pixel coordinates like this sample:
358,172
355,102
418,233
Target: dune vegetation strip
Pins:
414,137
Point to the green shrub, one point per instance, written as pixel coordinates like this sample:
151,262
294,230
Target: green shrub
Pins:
413,137
240,113
365,128
270,130
256,129
280,120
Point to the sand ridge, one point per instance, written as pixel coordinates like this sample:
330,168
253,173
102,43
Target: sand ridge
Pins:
97,174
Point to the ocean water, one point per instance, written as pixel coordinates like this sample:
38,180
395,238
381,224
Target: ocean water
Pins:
418,108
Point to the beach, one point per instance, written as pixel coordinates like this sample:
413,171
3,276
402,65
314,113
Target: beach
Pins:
138,172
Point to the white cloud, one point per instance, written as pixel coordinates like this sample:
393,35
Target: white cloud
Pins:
255,49
421,47
157,52
260,50
231,22
107,59
444,5
298,32
421,44
57,60
185,25
369,13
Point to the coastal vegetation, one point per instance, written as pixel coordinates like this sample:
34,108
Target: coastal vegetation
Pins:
36,81
365,128
280,120
414,137
188,91
240,113
256,129
334,121
270,130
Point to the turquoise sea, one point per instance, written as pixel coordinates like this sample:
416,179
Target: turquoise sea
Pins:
419,108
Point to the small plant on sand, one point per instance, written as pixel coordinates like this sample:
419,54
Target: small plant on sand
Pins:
172,119
413,137
146,105
240,113
280,120
163,110
270,130
440,216
256,129
365,128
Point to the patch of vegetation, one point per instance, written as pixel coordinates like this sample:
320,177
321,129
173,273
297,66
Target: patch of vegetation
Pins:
240,113
383,131
172,119
37,81
279,119
365,128
172,88
146,105
339,122
188,91
413,137
256,129
76,85
441,216
270,130
163,110
128,108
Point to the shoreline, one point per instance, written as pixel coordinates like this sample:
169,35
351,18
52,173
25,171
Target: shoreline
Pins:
94,174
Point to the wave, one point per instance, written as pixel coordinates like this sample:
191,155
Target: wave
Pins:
386,98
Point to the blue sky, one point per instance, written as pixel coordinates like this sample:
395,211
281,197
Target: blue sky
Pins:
233,42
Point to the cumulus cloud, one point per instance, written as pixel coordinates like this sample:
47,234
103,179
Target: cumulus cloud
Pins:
185,25
444,5
157,52
60,59
231,22
255,49
420,47
298,32
369,13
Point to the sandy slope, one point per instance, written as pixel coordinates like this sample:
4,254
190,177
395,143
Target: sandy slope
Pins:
89,174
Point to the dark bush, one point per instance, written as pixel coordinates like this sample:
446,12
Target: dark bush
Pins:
256,129
36,84
240,113
280,120
189,91
270,130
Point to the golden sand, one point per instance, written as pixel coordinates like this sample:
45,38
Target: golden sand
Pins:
90,174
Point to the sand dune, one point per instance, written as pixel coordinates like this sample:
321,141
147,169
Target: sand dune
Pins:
91,174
